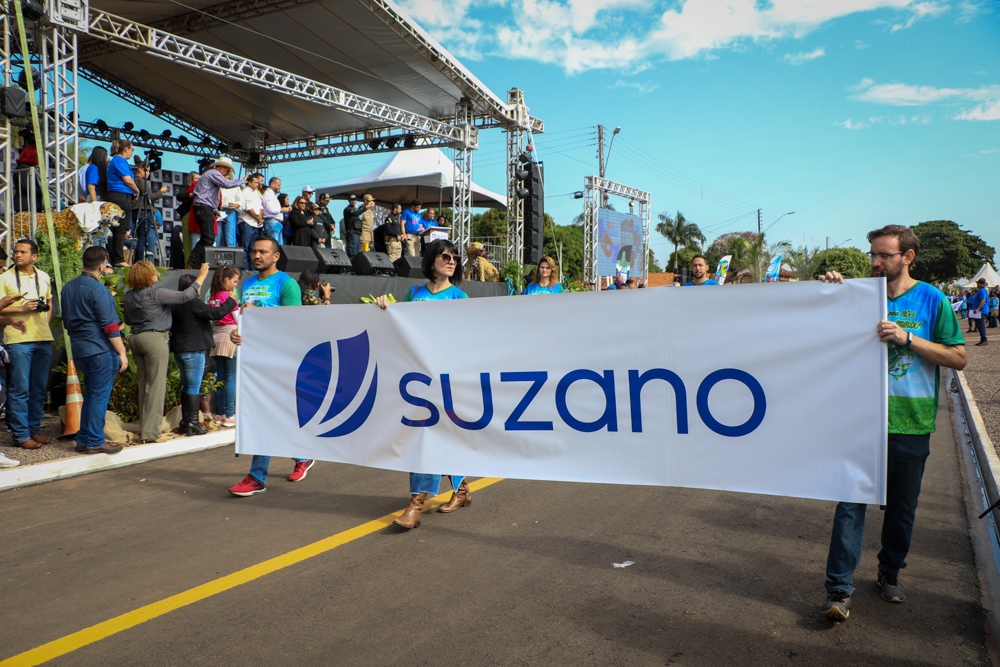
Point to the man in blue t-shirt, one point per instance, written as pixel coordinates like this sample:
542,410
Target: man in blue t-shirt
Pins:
699,269
922,334
413,226
981,305
269,288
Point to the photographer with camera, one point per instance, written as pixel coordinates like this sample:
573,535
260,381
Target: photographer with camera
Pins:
143,220
31,350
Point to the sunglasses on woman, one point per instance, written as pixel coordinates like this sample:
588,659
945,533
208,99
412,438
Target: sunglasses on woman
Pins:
448,258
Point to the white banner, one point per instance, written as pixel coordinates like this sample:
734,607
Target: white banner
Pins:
778,389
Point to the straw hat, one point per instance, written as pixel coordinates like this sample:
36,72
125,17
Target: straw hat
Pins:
222,162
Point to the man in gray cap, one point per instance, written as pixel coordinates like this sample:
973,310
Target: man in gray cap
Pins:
352,225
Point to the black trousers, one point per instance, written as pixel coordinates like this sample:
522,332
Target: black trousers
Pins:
116,245
205,217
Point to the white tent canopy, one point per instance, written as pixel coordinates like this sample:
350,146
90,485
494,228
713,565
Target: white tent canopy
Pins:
425,174
987,272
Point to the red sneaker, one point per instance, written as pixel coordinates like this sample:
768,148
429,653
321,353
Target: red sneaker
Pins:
248,487
301,468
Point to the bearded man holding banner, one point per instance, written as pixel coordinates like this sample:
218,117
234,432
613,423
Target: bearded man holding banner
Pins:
923,334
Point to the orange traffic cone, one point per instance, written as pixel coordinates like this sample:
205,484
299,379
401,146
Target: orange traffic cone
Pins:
74,400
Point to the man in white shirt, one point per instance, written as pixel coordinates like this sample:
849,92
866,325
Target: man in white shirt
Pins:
272,211
251,215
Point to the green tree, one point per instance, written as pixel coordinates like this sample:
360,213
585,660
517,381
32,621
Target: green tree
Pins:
803,261
948,252
682,258
849,262
570,238
489,224
680,232
653,265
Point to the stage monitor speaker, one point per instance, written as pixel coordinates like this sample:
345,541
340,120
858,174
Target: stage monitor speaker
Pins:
14,102
332,260
296,259
409,266
217,257
373,263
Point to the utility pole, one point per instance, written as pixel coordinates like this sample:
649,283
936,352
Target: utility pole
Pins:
758,223
826,256
600,150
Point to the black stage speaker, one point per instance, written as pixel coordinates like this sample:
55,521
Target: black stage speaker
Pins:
333,260
373,263
296,259
217,257
14,102
409,266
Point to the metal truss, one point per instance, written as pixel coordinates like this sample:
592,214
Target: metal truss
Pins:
516,135
594,190
135,97
358,142
58,117
172,145
461,191
6,191
192,54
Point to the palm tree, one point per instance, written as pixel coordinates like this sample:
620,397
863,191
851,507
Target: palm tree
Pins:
755,255
803,261
680,232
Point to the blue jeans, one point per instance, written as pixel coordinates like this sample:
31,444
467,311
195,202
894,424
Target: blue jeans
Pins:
353,244
29,380
99,372
144,233
248,235
275,230
259,465
907,456
225,397
192,366
227,231
429,484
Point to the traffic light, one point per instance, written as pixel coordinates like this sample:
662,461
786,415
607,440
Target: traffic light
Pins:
532,191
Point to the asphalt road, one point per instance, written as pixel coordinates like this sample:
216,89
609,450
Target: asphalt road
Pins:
522,577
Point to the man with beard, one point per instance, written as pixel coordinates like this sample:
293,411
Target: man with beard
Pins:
699,271
923,334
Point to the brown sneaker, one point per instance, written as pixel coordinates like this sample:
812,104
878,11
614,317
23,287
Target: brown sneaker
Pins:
106,448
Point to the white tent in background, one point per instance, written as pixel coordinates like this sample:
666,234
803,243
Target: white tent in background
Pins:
987,272
425,174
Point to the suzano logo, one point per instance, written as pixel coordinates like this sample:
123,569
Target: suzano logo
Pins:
312,385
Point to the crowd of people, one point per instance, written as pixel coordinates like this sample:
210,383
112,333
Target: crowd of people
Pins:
980,306
222,210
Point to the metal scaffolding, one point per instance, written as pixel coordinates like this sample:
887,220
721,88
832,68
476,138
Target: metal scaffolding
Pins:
6,191
59,118
461,192
516,135
594,190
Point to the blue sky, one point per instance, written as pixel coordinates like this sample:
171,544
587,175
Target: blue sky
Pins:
853,114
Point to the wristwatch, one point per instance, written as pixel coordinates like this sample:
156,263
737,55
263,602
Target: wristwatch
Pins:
909,338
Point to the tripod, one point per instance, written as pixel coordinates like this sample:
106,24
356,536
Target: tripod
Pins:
145,220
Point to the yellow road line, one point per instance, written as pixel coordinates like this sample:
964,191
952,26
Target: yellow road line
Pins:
64,645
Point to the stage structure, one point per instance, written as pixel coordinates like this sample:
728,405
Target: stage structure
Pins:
610,236
200,67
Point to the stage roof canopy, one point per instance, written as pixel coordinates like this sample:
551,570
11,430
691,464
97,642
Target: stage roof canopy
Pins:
370,48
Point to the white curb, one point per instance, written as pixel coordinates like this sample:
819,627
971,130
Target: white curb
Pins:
12,478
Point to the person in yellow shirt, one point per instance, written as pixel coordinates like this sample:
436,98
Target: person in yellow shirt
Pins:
31,350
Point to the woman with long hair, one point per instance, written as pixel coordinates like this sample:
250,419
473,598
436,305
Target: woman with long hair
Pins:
148,313
546,278
121,190
439,265
224,287
301,222
313,292
190,341
97,174
285,236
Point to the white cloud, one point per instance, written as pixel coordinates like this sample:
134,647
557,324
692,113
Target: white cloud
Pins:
860,125
860,45
969,10
802,58
850,124
985,98
920,10
579,35
989,150
636,87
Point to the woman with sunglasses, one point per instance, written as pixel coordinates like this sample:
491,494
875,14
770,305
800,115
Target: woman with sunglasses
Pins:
439,265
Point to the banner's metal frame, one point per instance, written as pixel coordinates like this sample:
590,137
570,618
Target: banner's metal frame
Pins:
594,187
6,137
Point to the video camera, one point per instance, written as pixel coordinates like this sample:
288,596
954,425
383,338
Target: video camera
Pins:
152,161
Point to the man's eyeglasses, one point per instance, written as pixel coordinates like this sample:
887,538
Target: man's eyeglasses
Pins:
448,258
883,256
